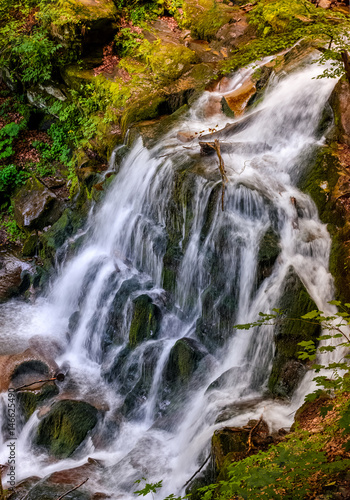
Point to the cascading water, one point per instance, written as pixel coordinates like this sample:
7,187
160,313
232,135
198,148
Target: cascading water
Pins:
165,422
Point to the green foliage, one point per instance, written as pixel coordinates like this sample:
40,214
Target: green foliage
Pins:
10,179
8,133
152,488
282,472
14,233
35,53
338,340
127,41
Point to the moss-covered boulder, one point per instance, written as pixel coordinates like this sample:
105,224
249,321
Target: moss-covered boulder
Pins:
183,361
205,17
170,61
145,323
35,206
65,427
287,369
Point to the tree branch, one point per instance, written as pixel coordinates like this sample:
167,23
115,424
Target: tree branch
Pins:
73,489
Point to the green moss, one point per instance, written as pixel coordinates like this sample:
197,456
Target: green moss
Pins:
145,108
76,11
169,61
205,17
145,323
54,238
30,245
30,400
65,427
183,361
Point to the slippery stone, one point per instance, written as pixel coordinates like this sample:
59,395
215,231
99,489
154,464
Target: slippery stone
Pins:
145,323
65,427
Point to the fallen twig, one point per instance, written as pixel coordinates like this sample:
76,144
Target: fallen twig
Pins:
216,147
250,443
73,489
200,468
36,382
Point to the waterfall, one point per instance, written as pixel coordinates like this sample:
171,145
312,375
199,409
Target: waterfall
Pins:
164,433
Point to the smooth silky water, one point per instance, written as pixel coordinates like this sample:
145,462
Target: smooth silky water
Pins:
125,241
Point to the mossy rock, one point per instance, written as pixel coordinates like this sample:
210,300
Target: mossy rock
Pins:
74,76
169,61
145,108
145,323
287,368
29,401
30,246
205,17
228,440
51,240
183,361
65,427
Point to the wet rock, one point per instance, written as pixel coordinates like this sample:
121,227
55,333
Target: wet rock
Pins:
14,276
185,136
30,399
24,368
58,233
145,323
237,100
115,321
183,361
35,206
232,128
229,378
295,302
269,250
143,375
65,427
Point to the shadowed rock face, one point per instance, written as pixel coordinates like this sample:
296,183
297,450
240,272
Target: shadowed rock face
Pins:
13,276
36,206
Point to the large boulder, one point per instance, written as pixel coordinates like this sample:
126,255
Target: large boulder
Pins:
35,206
65,427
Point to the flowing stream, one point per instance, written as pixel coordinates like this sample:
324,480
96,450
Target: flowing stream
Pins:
150,428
